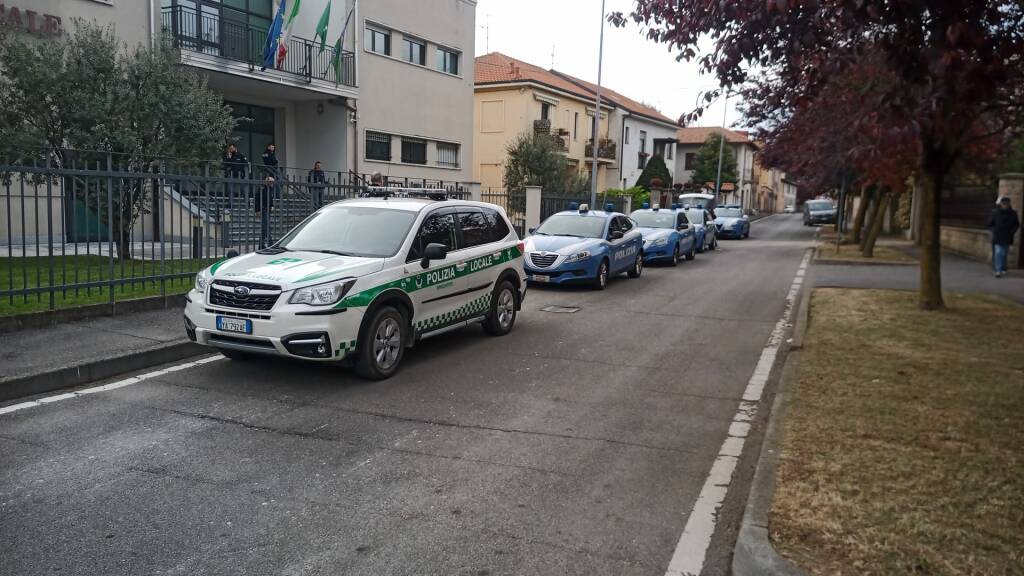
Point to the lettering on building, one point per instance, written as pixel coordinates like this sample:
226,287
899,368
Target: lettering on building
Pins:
23,19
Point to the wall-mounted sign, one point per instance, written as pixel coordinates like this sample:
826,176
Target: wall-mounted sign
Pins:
30,21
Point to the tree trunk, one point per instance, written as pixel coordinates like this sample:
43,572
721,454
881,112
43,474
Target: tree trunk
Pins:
876,223
930,290
869,216
862,210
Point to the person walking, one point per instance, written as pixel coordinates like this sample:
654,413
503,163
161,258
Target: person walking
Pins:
1002,224
316,181
235,165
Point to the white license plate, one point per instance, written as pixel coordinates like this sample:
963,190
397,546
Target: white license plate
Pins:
239,325
540,278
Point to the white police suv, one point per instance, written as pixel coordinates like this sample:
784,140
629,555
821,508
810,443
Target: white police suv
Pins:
362,280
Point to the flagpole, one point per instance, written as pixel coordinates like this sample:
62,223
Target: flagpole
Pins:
597,114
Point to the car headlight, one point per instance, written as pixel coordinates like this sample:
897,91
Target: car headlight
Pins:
322,294
659,242
203,279
578,256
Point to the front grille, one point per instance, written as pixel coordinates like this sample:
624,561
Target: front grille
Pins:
247,302
238,314
543,260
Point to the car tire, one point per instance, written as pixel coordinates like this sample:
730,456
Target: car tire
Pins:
714,243
638,266
381,345
236,355
675,256
601,280
693,252
502,316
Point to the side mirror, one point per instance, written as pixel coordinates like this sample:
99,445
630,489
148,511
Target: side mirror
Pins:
617,234
433,252
232,253
532,230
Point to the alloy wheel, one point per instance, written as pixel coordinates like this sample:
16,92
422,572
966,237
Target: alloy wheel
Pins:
386,342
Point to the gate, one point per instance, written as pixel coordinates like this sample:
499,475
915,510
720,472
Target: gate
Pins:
514,204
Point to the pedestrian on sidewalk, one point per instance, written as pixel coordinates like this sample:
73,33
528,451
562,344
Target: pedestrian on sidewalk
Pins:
316,181
235,164
1002,224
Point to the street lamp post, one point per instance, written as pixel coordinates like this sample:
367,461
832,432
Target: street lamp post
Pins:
721,149
597,113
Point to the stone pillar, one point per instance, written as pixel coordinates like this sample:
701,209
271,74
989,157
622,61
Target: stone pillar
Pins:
533,195
1011,185
627,204
474,191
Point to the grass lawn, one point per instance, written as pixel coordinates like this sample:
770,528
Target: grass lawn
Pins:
34,272
851,253
903,448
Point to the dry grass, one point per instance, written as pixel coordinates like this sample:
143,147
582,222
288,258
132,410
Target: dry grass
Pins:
903,450
851,253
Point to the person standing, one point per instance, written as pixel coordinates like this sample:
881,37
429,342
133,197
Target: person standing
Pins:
264,208
316,181
235,165
1002,224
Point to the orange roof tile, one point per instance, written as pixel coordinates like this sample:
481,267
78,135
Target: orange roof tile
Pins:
697,135
620,100
497,68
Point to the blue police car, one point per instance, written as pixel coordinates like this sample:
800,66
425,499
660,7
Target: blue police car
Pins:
731,222
583,245
667,234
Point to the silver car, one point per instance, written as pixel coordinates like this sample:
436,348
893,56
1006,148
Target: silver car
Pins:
704,228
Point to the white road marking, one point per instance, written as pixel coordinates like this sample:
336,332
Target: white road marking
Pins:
107,387
688,559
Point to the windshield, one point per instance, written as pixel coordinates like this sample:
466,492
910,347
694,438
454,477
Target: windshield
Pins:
654,219
728,212
368,232
573,225
819,205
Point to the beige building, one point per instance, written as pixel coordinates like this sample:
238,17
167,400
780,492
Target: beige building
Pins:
398,100
513,97
689,141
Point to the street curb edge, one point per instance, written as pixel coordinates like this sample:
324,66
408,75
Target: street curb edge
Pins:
21,386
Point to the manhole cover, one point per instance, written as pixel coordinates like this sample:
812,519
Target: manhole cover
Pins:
561,309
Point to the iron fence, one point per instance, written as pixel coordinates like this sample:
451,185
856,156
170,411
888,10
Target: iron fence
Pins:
514,203
551,204
967,206
88,228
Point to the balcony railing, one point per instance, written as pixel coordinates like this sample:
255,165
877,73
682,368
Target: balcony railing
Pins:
606,149
220,36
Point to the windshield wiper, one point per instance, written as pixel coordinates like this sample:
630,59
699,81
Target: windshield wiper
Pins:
335,252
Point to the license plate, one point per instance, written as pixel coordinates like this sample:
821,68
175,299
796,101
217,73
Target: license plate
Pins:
239,325
540,278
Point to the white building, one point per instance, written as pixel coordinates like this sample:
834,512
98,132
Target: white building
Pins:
689,142
399,100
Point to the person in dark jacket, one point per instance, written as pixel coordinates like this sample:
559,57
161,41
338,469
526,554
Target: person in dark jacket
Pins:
264,208
1003,224
270,163
235,165
316,180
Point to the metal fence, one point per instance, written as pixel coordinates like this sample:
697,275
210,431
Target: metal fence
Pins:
514,203
88,228
968,206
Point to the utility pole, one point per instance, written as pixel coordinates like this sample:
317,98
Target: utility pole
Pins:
597,113
721,150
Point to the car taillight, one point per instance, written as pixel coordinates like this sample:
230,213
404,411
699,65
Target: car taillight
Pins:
522,247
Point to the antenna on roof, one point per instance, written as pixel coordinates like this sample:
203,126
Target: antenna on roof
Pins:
552,55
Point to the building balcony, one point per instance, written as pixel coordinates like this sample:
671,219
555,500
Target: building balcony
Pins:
219,44
606,150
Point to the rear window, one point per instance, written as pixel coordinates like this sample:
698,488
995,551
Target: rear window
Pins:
819,205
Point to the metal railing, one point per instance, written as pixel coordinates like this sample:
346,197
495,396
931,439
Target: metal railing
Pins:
513,202
216,34
606,149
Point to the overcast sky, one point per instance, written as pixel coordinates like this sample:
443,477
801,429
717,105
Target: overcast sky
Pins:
634,66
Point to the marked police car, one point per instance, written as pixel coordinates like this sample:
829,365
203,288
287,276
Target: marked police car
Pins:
731,222
667,234
362,280
581,245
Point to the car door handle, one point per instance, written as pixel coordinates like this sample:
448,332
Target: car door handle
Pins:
497,254
460,267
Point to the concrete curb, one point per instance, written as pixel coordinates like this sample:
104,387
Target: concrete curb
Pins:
818,259
19,386
754,554
47,318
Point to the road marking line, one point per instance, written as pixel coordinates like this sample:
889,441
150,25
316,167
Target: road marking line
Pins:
106,387
688,558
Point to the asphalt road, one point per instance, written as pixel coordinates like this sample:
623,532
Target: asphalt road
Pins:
576,445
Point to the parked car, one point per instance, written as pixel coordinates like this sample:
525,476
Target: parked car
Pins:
819,212
731,222
583,245
364,279
698,200
704,228
789,209
667,234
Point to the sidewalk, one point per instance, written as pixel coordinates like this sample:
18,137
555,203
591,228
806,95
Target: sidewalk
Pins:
74,353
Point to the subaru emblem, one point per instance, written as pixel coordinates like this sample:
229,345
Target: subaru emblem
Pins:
242,290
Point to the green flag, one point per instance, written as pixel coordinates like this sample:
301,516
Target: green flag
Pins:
321,26
336,59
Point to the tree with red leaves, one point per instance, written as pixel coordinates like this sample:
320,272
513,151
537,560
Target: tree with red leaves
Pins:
957,66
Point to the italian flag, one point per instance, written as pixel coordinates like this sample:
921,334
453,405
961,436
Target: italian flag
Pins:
286,34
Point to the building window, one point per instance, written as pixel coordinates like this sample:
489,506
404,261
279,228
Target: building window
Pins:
447,155
642,156
447,61
626,139
414,151
575,125
545,111
378,41
255,129
690,162
415,52
378,146
668,150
